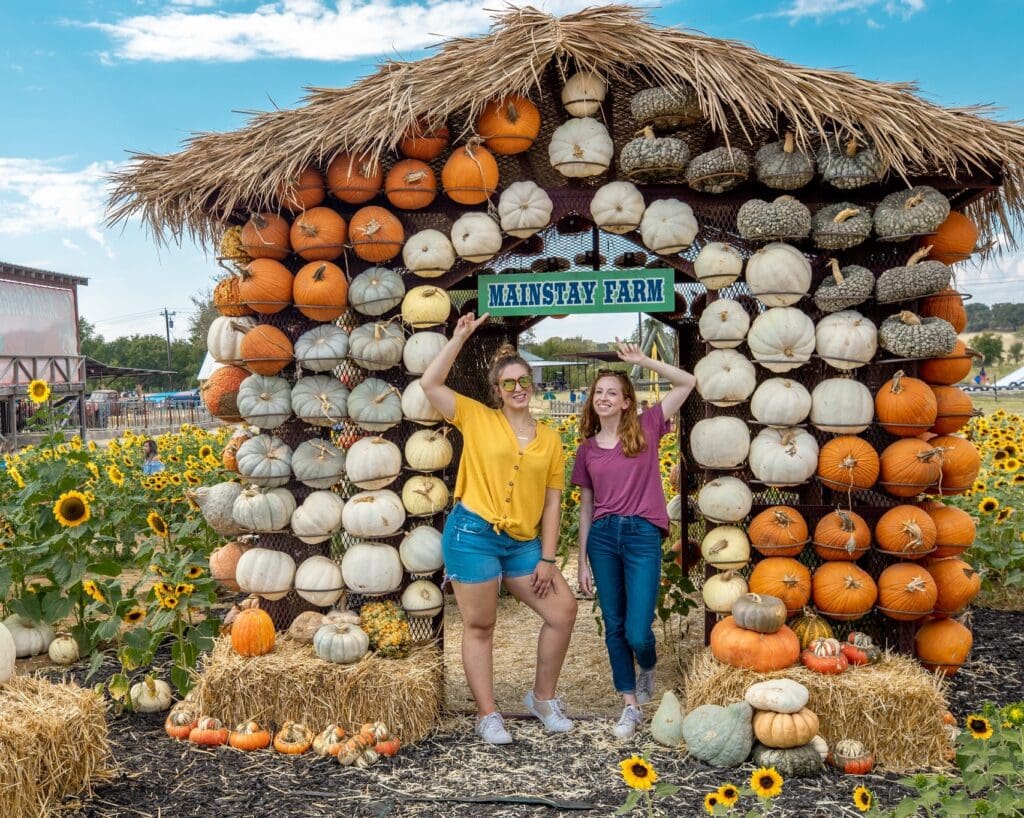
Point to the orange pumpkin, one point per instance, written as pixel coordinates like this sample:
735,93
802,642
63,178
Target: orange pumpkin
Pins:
783,577
252,633
509,125
410,185
180,723
470,176
229,457
954,409
319,234
842,590
848,463
957,585
763,652
910,466
302,191
320,291
841,535
954,530
779,531
224,562
943,645
906,591
905,531
266,286
376,234
220,393
954,241
209,732
226,298
293,738
354,179
905,406
266,350
388,747
960,463
947,369
249,736
824,655
424,142
947,304
265,235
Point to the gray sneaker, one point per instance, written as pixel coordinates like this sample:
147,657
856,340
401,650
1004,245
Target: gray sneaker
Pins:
548,711
645,685
491,728
632,717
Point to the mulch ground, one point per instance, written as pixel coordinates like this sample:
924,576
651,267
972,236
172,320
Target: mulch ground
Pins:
452,774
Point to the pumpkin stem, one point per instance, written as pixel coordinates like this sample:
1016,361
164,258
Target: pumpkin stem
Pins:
914,536
258,221
318,274
908,318
151,684
371,227
913,201
512,113
415,176
852,147
308,229
789,144
843,215
915,585
719,545
897,387
646,132
837,274
920,255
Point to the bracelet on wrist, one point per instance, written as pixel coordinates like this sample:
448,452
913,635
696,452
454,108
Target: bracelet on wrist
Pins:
545,559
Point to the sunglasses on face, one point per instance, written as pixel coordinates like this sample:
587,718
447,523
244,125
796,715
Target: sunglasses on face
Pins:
509,384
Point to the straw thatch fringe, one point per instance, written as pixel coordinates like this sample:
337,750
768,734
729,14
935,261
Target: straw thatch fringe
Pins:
200,188
292,684
53,744
895,708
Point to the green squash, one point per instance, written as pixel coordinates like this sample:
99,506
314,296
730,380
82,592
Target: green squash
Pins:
667,724
720,736
795,762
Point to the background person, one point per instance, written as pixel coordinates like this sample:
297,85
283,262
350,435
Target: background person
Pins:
151,462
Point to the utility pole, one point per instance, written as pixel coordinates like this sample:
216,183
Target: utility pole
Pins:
168,324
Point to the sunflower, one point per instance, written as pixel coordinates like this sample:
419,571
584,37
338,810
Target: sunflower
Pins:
192,478
728,794
38,391
116,475
1011,449
194,572
174,458
988,505
711,800
91,589
184,588
1018,478
1000,454
862,798
766,782
979,486
212,462
1004,514
128,462
94,470
163,589
156,569
169,602
71,509
136,614
76,443
1014,713
19,481
638,773
91,446
979,727
157,524
1011,464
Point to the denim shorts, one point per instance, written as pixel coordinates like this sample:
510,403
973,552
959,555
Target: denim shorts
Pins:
474,552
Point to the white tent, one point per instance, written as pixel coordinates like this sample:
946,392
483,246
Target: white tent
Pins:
208,368
1013,377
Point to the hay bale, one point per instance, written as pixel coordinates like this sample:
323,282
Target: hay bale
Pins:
895,707
292,683
53,744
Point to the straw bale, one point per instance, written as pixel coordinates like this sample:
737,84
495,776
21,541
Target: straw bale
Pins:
292,683
53,744
895,707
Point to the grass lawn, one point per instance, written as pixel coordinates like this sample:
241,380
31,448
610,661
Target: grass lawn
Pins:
1013,403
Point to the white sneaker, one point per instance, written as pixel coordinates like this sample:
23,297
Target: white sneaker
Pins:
548,711
645,685
632,717
491,728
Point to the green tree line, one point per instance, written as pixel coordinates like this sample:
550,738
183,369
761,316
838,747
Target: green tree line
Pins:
1003,317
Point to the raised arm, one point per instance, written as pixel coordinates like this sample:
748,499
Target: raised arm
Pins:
441,397
681,380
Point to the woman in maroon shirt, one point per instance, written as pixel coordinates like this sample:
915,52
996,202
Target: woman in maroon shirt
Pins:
623,520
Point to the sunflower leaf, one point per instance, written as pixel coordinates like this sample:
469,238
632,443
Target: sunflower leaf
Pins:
631,802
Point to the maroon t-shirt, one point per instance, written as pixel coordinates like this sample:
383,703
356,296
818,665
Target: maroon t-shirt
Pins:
628,486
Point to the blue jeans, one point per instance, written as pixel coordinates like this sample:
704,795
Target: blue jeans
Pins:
625,557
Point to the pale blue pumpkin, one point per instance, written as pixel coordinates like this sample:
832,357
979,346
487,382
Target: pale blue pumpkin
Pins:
720,736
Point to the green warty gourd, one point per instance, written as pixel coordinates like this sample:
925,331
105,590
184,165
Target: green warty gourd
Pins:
851,167
793,762
909,213
841,226
666,108
907,335
844,288
781,166
919,277
718,170
649,158
784,218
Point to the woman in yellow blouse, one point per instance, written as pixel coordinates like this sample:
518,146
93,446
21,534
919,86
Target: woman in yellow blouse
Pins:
504,527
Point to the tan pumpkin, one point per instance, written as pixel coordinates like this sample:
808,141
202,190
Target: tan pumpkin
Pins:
319,234
783,577
376,234
266,235
354,180
841,535
784,730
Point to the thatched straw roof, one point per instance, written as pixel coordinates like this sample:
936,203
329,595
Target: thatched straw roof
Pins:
218,175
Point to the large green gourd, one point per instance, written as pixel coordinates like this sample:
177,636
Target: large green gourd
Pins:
720,736
794,762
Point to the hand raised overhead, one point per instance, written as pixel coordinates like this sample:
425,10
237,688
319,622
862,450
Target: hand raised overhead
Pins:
467,325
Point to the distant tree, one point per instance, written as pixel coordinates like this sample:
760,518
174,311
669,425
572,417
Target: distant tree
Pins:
979,317
90,342
1015,354
1007,317
990,346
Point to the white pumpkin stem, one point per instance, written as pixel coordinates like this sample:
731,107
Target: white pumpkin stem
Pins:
837,274
789,144
151,684
719,545
920,255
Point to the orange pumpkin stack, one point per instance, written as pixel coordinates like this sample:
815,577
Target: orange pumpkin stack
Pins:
772,646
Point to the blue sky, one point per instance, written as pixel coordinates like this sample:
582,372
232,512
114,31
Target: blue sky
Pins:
84,83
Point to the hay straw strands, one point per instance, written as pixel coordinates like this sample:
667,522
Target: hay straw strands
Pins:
217,175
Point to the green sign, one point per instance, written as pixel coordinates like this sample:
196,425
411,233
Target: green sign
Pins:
579,292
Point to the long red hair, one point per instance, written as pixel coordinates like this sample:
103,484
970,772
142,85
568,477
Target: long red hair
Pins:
630,433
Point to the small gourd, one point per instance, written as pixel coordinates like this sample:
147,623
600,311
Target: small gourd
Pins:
666,108
851,757
151,695
846,287
854,165
919,277
906,335
784,218
718,170
912,212
781,165
791,762
667,722
649,158
759,612
63,650
777,695
841,226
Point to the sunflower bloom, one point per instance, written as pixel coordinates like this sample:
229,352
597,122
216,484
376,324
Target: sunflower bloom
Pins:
711,800
38,391
169,602
638,773
184,588
205,451
115,475
136,614
988,505
157,524
94,470
979,727
1004,514
15,475
766,782
728,794
192,478
92,590
863,798
194,572
1014,714
175,479
71,509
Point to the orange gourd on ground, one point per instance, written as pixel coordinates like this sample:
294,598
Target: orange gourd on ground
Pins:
354,179
954,409
266,286
209,732
905,531
943,645
841,535
470,176
947,369
293,738
266,350
265,235
319,234
763,652
957,584
954,530
376,234
910,466
779,531
906,591
410,185
905,406
248,736
252,633
785,578
824,655
320,291
180,723
848,463
509,125
843,590
961,463
302,191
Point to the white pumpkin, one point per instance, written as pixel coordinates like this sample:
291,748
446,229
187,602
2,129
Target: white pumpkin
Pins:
426,306
318,581
416,407
724,377
428,254
266,510
780,402
63,650
726,547
580,148
420,550
318,518
720,442
373,463
784,457
667,721
420,349
777,696
422,598
617,207
423,495
819,744
722,590
264,401
30,638
371,568
842,405
322,348
778,274
476,237
375,291
725,500
320,400
524,209
668,226
373,514
717,265
781,339
265,460
846,339
583,93
318,463
8,653
428,450
342,643
216,503
724,323
376,345
266,573
151,695
224,337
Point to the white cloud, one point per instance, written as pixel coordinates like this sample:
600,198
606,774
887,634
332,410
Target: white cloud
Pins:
819,9
39,196
300,29
71,245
